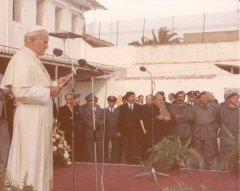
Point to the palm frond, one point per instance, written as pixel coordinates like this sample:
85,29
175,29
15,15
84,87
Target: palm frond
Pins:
134,43
165,36
10,184
231,158
170,154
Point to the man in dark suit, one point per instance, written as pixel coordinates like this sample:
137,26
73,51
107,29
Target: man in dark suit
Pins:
65,118
129,128
111,122
163,123
4,133
93,128
147,117
80,143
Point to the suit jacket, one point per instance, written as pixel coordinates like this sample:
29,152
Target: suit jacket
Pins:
88,122
65,118
111,122
129,121
147,116
162,127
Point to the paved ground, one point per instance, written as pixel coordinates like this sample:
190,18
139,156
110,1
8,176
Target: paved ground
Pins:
121,178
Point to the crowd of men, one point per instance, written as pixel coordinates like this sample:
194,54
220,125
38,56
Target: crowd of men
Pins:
131,128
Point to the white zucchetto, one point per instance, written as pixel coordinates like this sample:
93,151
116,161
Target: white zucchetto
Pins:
35,29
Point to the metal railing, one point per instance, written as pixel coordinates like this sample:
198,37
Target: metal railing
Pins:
122,32
115,71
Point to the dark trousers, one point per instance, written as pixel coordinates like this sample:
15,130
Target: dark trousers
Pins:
4,143
120,150
80,147
111,157
146,144
91,151
131,149
207,149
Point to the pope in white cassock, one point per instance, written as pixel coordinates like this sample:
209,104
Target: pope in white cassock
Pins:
31,148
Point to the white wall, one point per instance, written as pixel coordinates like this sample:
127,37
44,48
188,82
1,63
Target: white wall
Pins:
2,22
107,87
176,60
127,56
183,53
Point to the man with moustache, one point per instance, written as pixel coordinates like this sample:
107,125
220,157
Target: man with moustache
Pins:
182,116
129,127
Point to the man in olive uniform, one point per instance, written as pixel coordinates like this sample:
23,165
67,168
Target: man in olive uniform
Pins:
93,129
182,115
230,118
204,132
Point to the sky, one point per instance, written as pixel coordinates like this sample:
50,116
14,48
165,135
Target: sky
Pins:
132,9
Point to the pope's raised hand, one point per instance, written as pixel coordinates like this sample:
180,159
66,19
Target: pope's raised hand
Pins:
62,81
54,91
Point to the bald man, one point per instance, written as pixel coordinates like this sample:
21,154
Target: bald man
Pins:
26,76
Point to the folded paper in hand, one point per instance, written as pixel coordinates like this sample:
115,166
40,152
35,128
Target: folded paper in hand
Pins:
67,78
143,128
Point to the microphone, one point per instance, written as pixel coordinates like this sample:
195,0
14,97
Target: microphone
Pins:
143,69
83,63
57,52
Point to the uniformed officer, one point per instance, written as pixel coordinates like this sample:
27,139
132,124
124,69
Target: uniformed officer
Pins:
111,125
230,118
191,98
204,132
93,128
182,115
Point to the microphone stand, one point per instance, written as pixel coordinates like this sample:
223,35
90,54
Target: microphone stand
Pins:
92,68
152,171
73,72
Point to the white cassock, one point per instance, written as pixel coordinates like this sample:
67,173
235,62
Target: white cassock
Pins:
31,148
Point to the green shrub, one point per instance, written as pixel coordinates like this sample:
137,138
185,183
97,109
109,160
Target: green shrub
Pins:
11,185
170,154
231,158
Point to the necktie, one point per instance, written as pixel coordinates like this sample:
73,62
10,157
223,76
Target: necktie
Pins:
131,107
112,110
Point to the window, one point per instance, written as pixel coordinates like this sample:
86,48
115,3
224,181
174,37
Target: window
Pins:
74,23
17,10
58,17
39,15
